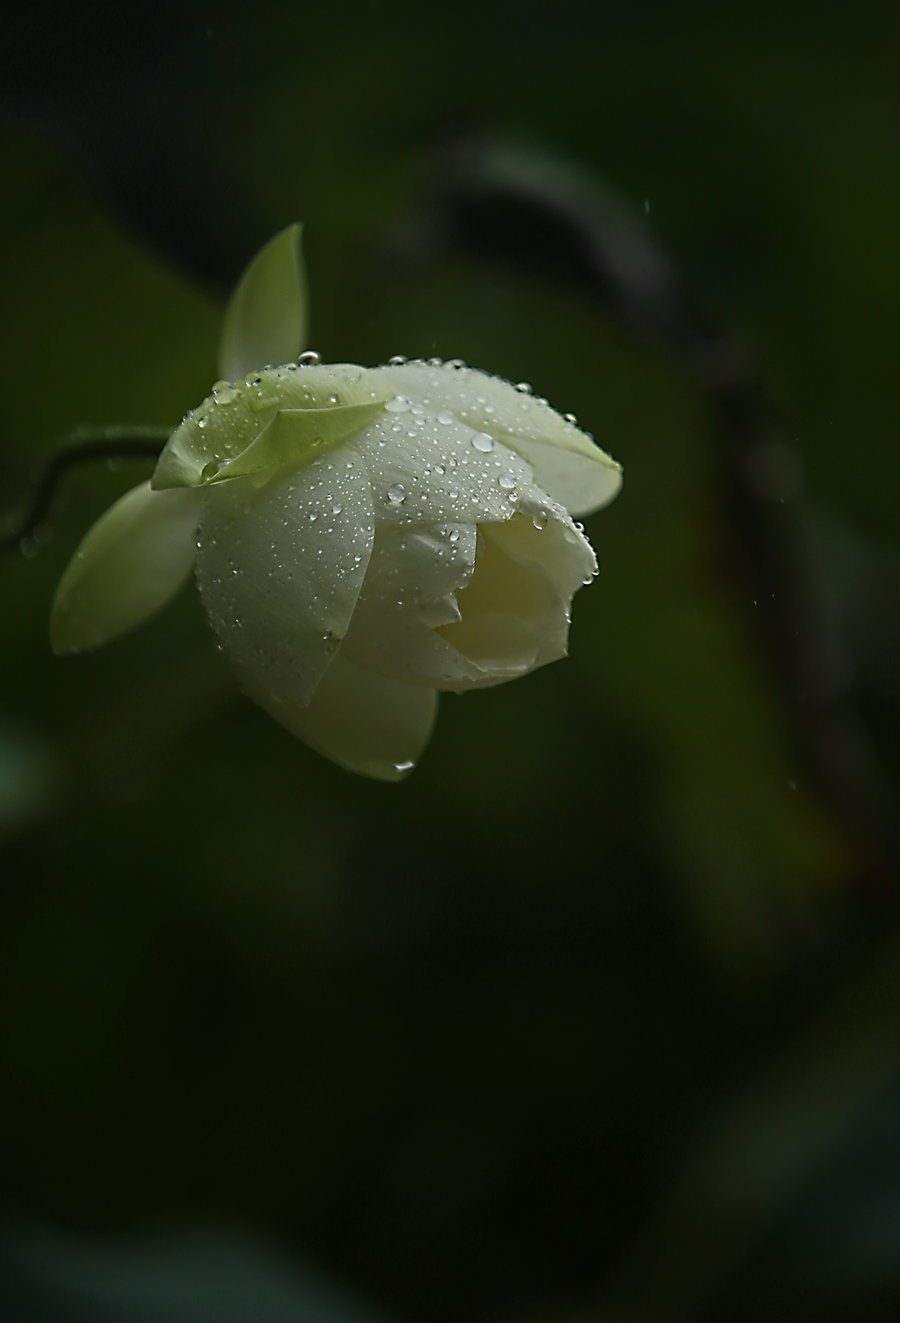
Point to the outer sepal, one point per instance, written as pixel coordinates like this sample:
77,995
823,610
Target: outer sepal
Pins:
236,415
266,319
295,436
132,561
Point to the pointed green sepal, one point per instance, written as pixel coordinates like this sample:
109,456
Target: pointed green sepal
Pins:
132,561
266,319
297,435
237,415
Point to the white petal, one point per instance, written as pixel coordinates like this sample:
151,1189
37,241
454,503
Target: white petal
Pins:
413,578
424,471
548,543
280,568
363,721
514,616
132,561
566,461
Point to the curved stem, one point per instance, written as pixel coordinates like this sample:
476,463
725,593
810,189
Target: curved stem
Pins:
80,447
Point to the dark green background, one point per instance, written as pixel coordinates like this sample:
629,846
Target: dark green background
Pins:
595,1019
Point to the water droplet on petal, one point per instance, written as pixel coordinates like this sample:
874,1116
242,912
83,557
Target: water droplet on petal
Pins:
399,404
506,482
445,417
397,360
524,387
483,442
309,358
397,494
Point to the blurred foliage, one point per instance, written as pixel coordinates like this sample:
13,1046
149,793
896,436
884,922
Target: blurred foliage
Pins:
596,1017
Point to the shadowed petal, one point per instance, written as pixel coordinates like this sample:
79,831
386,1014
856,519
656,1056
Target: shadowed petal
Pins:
280,568
365,722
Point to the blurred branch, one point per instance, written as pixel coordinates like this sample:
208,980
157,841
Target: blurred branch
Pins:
80,447
531,214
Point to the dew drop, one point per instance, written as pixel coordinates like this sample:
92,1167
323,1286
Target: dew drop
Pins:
404,767
445,418
397,360
483,442
506,482
336,508
570,418
309,358
397,494
540,520
399,404
524,387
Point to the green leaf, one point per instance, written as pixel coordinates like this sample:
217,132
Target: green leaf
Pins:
132,561
266,320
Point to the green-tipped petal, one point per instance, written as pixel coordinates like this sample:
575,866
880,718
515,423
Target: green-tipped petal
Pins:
567,464
364,722
297,435
265,323
132,561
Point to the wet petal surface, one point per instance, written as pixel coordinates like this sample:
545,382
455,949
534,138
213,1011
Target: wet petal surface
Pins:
280,569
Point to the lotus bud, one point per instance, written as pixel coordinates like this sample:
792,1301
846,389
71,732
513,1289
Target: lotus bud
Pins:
362,538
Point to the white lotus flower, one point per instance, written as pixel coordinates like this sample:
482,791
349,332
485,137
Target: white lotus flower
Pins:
363,538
